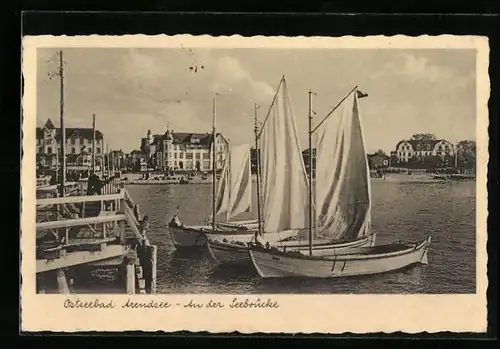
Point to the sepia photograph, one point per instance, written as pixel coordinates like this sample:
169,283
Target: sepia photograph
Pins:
249,171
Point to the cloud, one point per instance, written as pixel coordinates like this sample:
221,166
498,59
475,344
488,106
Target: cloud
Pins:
133,90
420,68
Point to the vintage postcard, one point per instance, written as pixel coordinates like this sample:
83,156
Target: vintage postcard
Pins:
259,184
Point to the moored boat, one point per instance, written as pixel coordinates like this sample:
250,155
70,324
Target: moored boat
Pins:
236,252
272,263
343,208
287,192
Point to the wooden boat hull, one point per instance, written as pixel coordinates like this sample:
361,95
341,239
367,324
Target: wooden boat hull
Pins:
196,236
188,237
364,261
233,253
325,248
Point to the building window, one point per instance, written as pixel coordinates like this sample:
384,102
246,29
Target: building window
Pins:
189,156
72,141
49,150
73,151
197,156
181,155
206,156
49,141
40,150
98,150
175,157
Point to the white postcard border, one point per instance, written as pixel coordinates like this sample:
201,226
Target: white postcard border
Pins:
296,313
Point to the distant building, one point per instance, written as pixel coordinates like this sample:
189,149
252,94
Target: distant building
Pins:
408,149
78,146
181,151
117,160
378,160
305,157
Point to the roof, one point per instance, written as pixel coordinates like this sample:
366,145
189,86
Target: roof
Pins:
49,124
423,143
72,132
185,138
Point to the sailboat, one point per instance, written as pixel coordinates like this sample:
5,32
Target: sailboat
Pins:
286,191
233,197
343,209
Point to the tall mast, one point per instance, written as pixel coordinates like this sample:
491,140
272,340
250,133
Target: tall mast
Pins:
107,163
256,131
214,177
93,143
310,174
63,130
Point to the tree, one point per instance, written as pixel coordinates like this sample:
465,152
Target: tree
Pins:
466,154
423,136
376,160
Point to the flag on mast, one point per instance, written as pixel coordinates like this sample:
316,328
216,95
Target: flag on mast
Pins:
361,94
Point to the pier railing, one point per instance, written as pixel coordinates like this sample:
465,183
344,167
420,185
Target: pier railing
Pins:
107,208
92,230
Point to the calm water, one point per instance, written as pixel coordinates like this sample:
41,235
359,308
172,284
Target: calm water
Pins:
401,211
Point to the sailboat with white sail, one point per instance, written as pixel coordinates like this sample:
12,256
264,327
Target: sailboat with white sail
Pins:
343,209
286,191
233,197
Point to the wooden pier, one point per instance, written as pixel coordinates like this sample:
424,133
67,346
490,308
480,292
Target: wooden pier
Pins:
77,235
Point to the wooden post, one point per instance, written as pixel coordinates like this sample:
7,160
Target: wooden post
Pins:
62,282
130,277
122,233
154,250
63,129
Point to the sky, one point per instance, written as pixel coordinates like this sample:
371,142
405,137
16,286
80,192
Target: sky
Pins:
132,91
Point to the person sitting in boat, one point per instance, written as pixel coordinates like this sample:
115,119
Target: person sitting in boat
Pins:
261,242
176,222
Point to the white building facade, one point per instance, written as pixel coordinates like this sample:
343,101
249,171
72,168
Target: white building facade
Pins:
78,146
407,149
181,151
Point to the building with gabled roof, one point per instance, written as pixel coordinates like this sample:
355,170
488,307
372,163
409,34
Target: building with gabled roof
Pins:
407,149
184,151
78,146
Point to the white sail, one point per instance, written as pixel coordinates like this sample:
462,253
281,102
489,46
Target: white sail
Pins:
234,194
222,198
284,178
342,175
240,195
